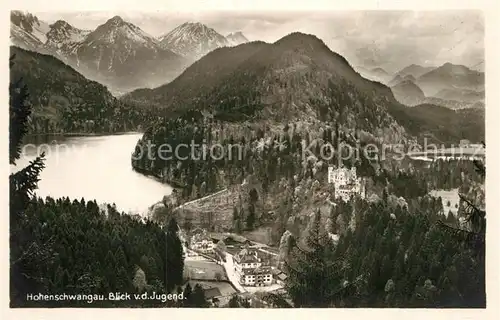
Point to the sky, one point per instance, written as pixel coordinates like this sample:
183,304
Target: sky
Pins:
388,39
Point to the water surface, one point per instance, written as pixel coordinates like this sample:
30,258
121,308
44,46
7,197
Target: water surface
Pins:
95,167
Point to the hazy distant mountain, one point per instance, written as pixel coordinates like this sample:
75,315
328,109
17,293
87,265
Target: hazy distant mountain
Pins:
451,86
236,38
193,40
27,31
414,70
408,93
375,74
450,76
398,78
464,95
380,72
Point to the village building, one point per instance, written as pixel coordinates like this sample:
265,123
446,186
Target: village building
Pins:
464,143
346,183
251,269
280,276
257,277
202,242
247,258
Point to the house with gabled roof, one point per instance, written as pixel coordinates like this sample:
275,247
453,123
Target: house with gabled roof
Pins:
251,268
202,242
258,277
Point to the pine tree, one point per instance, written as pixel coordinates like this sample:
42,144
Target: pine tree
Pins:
475,237
198,297
188,292
250,221
26,254
314,280
175,256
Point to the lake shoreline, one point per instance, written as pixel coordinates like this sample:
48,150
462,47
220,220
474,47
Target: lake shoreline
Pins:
81,134
95,167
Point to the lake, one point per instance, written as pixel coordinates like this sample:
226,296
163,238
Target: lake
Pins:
94,167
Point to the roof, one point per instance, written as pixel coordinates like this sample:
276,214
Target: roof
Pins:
197,230
247,255
256,271
282,276
212,292
201,237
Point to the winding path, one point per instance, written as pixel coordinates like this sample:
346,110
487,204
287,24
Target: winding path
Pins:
231,273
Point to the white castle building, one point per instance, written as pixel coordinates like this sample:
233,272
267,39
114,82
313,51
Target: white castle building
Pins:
346,183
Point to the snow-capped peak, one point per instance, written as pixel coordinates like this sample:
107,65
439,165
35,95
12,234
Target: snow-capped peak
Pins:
193,39
236,38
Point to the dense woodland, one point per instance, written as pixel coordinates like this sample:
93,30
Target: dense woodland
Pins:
63,246
387,258
400,250
63,101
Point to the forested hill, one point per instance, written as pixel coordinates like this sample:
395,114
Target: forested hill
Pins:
296,78
441,124
64,101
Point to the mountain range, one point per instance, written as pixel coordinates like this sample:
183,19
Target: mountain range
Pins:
297,78
452,86
193,40
375,74
414,70
408,93
118,53
451,76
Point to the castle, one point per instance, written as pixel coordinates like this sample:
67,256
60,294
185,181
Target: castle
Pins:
346,183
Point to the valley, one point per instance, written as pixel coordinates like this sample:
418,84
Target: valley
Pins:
253,174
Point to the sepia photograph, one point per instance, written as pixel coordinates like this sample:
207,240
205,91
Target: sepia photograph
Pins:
247,159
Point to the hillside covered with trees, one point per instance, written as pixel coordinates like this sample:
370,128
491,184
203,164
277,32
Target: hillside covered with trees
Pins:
77,247
64,101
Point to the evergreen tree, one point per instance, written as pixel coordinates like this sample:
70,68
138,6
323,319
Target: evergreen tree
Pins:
198,297
313,278
26,254
188,292
175,256
238,302
250,221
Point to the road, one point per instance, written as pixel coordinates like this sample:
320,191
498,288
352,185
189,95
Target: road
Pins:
231,273
266,251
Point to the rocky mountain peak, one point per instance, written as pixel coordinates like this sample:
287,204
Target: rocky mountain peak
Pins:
24,20
115,21
62,34
236,38
193,39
